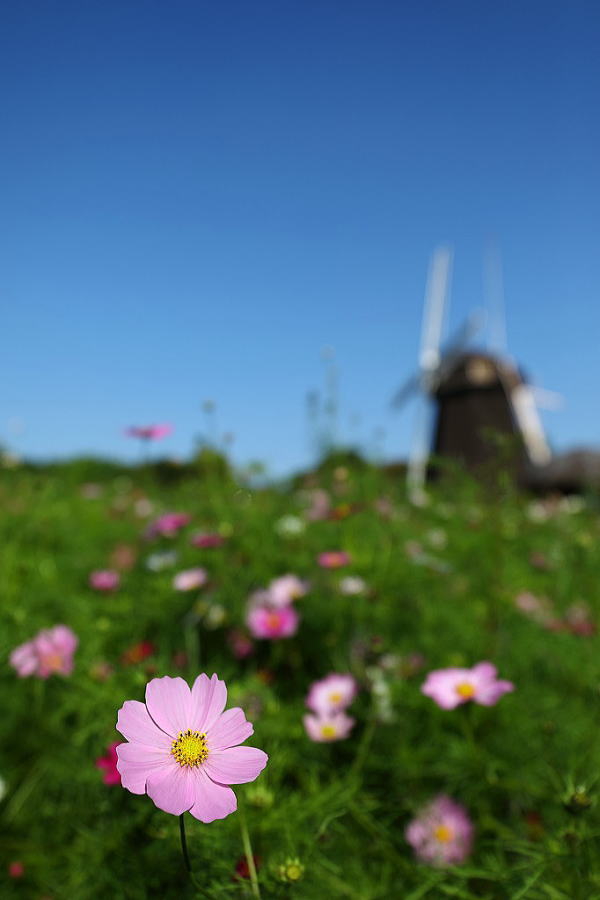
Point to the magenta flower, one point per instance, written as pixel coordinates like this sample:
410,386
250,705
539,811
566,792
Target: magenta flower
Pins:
149,432
190,579
451,687
284,590
331,694
168,525
207,540
108,764
442,833
104,580
327,727
47,653
268,623
183,749
333,559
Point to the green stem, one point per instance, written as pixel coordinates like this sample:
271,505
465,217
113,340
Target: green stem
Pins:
184,848
363,747
249,854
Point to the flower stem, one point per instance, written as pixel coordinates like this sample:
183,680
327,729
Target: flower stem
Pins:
184,848
363,747
249,854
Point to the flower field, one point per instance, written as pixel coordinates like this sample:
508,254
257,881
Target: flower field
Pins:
420,684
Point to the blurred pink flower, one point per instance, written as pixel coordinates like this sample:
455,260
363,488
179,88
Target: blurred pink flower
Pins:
451,687
190,579
333,559
168,525
149,432
16,869
104,580
47,653
183,749
442,833
331,694
284,590
240,643
206,540
108,764
327,727
320,505
270,624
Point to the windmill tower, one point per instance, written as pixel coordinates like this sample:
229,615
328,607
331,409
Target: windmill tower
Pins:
466,395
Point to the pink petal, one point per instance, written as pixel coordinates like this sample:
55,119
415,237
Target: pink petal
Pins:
491,693
135,763
229,730
209,697
173,790
169,703
213,801
237,765
135,724
485,670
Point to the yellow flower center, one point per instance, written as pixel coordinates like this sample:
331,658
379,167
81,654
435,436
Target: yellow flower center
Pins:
465,690
273,620
53,661
189,748
336,697
328,731
443,834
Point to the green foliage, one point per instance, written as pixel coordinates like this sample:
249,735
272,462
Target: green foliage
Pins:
326,820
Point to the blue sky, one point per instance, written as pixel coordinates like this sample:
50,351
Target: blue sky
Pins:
196,198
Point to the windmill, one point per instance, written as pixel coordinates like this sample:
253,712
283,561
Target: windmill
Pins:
465,395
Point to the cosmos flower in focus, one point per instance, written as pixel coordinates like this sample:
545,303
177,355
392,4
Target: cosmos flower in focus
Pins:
104,580
328,727
168,525
108,764
442,833
149,432
451,687
331,694
190,579
49,652
333,559
268,623
183,748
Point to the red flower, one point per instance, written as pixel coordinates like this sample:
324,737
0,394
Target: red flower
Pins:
108,764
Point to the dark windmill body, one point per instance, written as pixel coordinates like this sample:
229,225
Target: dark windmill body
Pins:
479,399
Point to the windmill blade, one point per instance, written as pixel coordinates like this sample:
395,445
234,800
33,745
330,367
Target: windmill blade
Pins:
457,344
530,425
434,312
545,399
411,386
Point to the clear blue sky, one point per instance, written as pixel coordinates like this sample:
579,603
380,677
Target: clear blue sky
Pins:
196,197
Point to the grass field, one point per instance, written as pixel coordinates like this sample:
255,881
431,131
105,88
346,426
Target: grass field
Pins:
468,577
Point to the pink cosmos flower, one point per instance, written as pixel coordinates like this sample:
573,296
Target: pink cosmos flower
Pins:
451,687
183,748
269,623
190,579
331,694
49,652
320,505
333,559
284,590
149,432
168,525
327,727
240,643
108,764
442,833
16,869
104,580
206,540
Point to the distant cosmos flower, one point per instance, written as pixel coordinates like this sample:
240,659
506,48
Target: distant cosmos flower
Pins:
284,590
149,432
442,833
206,540
331,694
183,748
328,727
156,562
351,585
190,579
49,652
333,559
168,525
271,624
108,764
104,580
451,687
